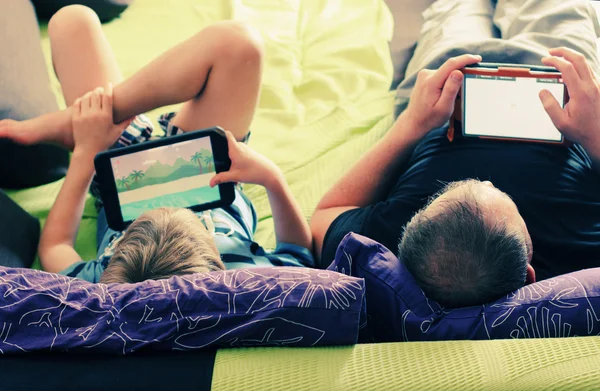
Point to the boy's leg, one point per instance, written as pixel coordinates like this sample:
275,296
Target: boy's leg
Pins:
217,72
542,25
450,28
81,54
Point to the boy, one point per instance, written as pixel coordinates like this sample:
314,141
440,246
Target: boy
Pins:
217,74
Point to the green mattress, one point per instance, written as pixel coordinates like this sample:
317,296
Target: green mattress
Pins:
324,97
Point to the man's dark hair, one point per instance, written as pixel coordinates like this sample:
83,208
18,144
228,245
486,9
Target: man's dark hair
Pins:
459,259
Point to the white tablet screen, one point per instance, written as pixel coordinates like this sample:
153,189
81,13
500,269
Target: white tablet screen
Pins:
175,175
509,107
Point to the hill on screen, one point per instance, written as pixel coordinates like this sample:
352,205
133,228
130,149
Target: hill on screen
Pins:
158,172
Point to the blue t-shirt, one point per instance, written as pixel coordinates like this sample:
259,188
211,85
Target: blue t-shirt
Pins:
234,228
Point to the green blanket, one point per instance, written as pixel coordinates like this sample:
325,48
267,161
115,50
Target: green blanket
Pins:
324,98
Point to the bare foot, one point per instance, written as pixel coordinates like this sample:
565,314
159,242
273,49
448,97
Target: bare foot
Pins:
48,128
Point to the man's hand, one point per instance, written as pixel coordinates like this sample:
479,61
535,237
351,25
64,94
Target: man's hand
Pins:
579,120
432,100
93,128
247,166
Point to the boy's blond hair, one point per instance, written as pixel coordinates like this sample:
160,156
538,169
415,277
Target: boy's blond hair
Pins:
162,243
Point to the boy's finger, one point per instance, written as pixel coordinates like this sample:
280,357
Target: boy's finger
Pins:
230,138
107,98
232,143
124,124
222,177
96,102
86,102
77,106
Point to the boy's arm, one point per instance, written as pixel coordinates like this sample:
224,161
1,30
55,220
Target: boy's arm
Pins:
290,224
56,249
93,132
248,166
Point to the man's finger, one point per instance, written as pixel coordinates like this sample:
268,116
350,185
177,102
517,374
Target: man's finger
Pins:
577,59
450,91
554,110
453,64
569,74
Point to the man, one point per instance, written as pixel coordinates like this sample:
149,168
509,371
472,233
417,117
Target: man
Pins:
508,207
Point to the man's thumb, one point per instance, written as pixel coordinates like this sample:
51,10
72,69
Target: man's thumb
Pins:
450,90
556,113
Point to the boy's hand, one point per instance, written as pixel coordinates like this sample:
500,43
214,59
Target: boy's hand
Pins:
93,128
579,120
247,166
432,100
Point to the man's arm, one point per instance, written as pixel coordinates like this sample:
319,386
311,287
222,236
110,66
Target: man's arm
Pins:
579,120
431,105
368,180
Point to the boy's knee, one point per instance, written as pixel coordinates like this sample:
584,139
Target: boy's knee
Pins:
237,42
72,19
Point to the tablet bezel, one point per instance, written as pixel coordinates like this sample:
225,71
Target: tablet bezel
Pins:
108,186
509,70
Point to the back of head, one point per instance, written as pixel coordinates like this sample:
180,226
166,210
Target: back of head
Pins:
459,259
162,243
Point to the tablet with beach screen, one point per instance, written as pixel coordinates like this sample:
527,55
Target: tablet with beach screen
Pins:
175,175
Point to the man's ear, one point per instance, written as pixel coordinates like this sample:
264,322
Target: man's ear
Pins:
530,279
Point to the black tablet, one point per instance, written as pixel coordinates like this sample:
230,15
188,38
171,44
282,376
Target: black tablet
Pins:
170,172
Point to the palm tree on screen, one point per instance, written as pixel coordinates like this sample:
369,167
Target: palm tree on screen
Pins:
197,158
124,182
208,160
136,175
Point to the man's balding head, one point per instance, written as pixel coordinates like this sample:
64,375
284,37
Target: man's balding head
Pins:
468,246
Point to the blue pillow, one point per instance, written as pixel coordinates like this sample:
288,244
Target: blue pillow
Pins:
275,306
397,309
